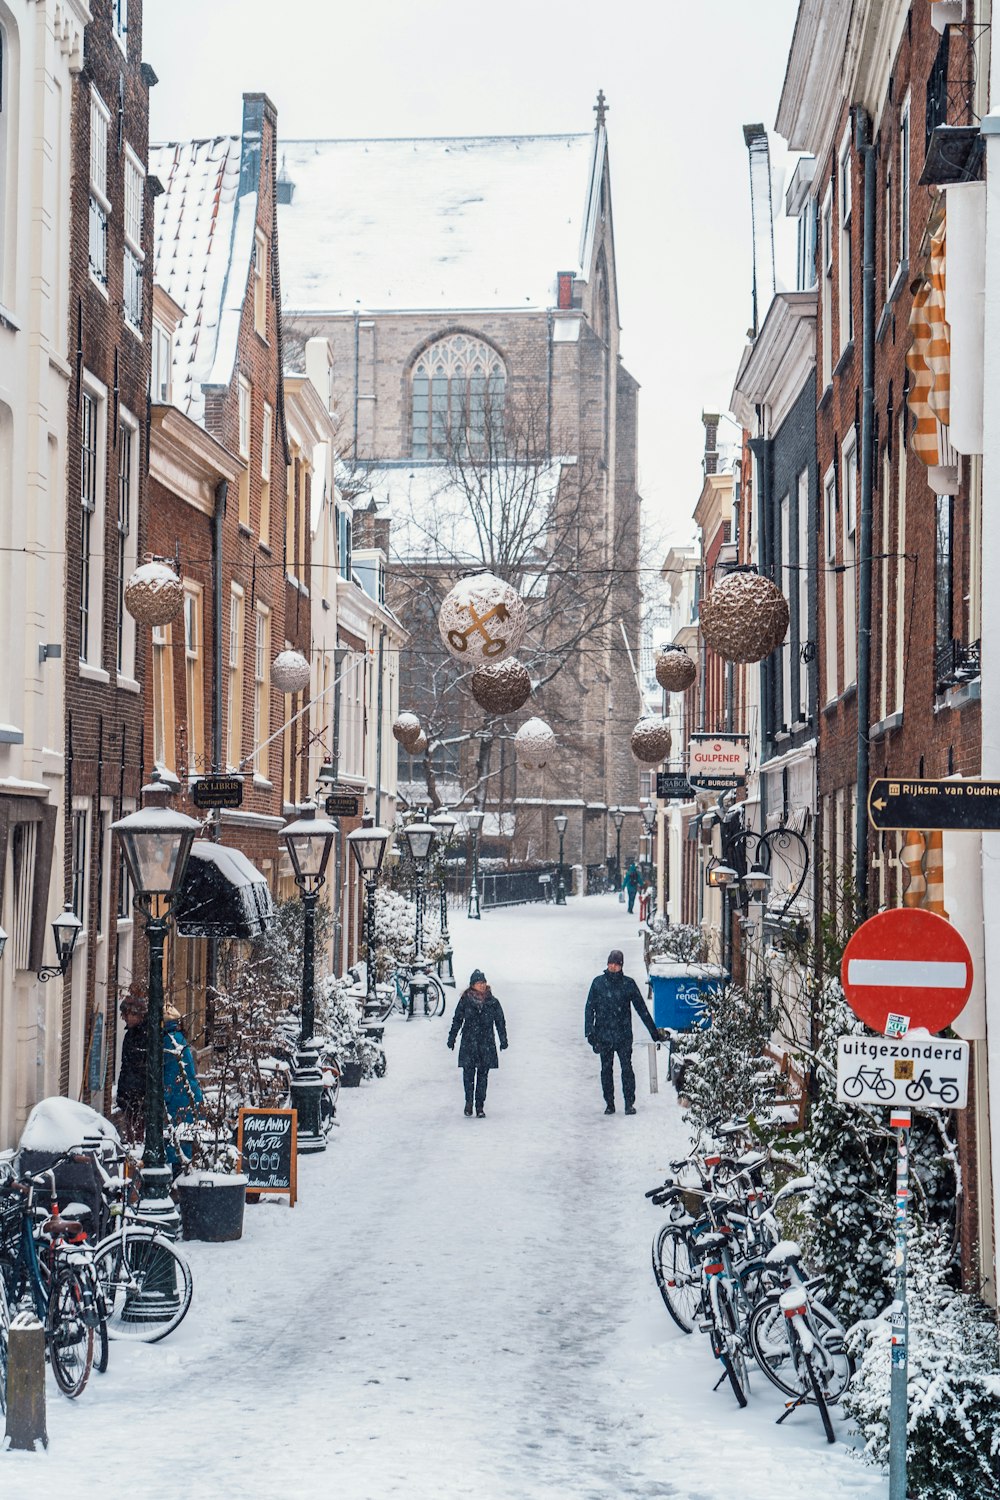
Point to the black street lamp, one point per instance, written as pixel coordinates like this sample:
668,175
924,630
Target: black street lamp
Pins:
156,842
560,820
419,839
444,823
474,822
309,840
65,929
618,818
368,845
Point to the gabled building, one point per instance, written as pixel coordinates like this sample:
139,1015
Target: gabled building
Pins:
469,353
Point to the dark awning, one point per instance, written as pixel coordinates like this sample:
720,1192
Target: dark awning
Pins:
223,895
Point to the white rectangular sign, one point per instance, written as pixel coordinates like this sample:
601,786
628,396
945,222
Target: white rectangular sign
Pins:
932,1071
717,760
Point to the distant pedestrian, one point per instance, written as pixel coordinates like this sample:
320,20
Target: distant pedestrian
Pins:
632,881
608,1027
130,1095
477,1015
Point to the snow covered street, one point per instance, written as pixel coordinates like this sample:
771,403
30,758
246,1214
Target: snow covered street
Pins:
456,1307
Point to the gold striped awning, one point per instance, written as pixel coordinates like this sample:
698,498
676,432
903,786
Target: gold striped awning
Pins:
929,362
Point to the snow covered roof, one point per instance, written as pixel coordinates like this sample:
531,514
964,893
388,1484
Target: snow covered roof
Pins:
195,244
436,514
446,222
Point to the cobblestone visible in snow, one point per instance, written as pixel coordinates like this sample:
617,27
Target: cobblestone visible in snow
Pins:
455,1308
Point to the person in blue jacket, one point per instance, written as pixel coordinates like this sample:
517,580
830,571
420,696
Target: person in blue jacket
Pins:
632,882
181,1090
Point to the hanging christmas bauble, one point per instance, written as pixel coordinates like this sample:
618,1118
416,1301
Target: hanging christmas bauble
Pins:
675,670
482,619
406,728
154,595
290,672
534,742
744,617
418,744
502,689
650,741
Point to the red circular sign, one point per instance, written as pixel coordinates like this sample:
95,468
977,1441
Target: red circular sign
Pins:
906,968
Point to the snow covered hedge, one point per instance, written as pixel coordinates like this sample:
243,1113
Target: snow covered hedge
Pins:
953,1385
338,1018
395,925
724,1070
680,942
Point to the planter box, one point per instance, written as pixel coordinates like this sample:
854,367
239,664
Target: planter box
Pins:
681,993
350,1075
211,1205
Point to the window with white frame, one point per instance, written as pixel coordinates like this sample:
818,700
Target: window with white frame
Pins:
846,260
100,204
79,828
784,714
245,400
849,511
128,474
806,247
266,444
904,181
161,364
164,741
135,188
261,691
237,617
5,147
900,561
826,290
194,677
23,851
888,207
93,412
260,283
802,592
830,585
119,22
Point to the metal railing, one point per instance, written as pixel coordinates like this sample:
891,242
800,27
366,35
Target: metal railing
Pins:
508,887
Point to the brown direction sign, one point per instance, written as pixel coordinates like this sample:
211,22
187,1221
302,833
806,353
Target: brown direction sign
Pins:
342,805
217,791
960,805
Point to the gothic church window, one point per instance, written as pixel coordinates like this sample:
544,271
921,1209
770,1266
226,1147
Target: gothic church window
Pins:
458,387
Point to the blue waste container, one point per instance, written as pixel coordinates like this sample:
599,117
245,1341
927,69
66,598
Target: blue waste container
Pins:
681,992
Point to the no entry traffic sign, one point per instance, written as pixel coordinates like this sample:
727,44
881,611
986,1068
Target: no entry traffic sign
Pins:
906,968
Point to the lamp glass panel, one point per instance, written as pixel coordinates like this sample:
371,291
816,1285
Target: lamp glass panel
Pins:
560,820
474,821
369,849
308,853
420,837
154,859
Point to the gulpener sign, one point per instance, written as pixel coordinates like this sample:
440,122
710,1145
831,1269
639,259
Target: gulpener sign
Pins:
718,762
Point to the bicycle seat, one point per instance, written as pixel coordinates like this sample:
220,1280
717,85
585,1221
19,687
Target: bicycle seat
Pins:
67,1229
783,1253
711,1241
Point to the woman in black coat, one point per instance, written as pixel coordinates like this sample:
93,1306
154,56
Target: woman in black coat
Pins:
477,1015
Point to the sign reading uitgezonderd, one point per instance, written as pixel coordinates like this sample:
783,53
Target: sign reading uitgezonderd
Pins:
718,762
928,1070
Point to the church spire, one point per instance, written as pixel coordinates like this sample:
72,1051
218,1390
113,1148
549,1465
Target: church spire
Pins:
601,109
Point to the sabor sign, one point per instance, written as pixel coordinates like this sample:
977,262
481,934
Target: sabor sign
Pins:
932,1071
267,1140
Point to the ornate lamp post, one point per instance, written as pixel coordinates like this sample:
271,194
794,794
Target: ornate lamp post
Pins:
368,845
618,818
156,842
474,821
309,840
444,824
65,929
560,820
419,838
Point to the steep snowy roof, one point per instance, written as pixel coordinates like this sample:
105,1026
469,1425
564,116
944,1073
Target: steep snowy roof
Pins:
460,222
194,248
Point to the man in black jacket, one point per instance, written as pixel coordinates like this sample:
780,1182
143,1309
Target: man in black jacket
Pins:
477,1015
608,1027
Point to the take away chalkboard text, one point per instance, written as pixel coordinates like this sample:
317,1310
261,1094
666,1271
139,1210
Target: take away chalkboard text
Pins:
266,1139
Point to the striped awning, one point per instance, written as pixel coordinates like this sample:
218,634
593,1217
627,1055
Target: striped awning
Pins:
929,363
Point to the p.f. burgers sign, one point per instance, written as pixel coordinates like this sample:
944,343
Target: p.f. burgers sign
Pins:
718,762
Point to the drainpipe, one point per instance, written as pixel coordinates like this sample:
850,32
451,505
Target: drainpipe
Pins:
378,729
867,153
339,653
221,495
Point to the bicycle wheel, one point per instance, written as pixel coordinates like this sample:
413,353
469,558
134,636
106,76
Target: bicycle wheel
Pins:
4,1325
434,1004
783,1366
727,1345
68,1336
146,1284
678,1280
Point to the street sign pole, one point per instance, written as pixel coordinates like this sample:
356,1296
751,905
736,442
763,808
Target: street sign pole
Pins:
900,1119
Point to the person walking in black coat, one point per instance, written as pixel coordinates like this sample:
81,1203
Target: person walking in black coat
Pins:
477,1015
131,1092
608,1027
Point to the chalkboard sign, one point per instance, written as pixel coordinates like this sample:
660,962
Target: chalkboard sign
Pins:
266,1139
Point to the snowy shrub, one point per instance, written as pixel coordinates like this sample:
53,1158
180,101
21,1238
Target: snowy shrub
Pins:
677,942
278,950
850,1153
395,926
953,1438
338,1018
724,1070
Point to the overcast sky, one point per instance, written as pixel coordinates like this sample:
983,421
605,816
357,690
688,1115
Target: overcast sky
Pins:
681,80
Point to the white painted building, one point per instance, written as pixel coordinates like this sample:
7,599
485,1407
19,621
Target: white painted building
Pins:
41,49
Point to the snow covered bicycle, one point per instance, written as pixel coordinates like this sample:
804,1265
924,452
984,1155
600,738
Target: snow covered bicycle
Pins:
418,991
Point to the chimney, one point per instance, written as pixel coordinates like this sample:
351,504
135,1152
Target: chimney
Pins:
711,421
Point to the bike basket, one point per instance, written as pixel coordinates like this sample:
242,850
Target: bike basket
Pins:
11,1213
